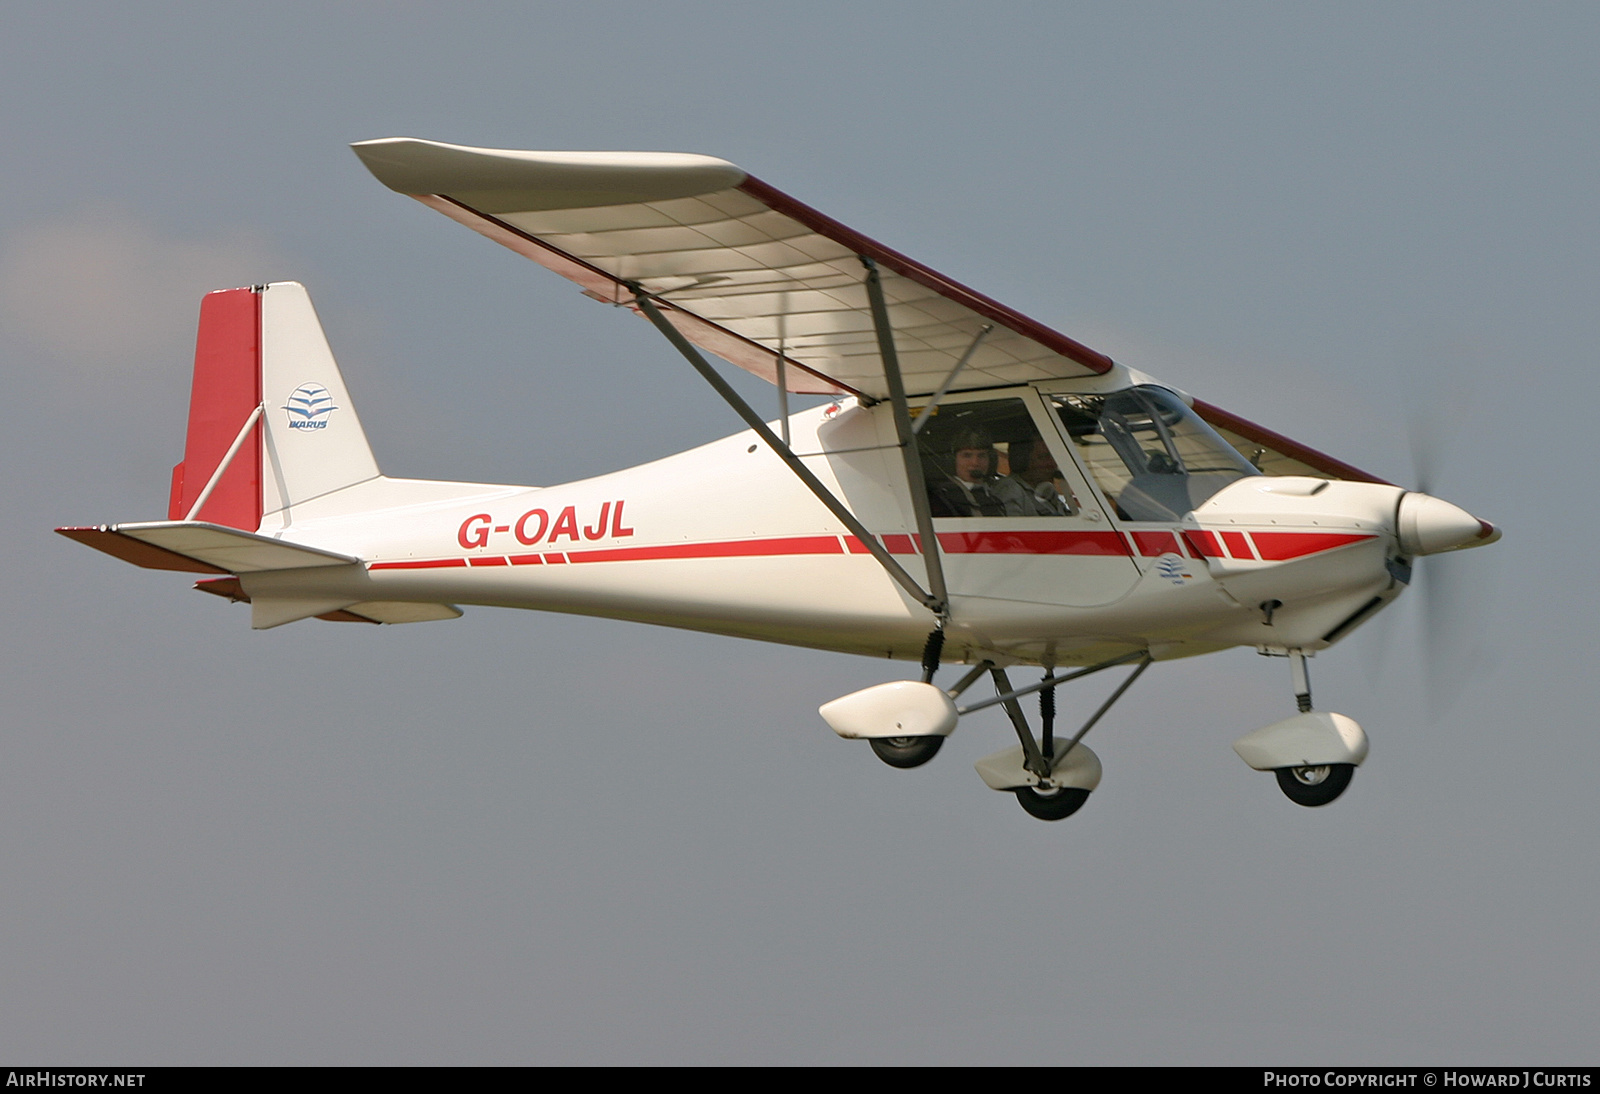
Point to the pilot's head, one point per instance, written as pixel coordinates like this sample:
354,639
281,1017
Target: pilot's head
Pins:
973,453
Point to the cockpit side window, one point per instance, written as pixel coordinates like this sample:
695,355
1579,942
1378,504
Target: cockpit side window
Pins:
986,459
1154,458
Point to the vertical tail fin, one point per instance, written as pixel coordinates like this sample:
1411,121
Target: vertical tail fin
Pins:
264,348
314,442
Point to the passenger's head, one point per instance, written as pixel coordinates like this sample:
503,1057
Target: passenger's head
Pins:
1032,462
973,453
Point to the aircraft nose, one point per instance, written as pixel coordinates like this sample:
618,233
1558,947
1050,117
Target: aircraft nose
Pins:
1427,526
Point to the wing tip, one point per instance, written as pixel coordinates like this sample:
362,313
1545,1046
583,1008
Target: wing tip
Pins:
506,179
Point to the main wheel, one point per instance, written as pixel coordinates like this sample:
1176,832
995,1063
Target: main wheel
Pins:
1314,785
906,751
1051,805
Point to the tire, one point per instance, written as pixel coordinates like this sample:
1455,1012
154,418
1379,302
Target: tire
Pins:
906,751
1055,806
1312,786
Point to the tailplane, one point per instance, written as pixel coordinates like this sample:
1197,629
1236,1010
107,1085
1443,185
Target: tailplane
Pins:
271,430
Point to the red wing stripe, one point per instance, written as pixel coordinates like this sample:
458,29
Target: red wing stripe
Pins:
1279,443
987,307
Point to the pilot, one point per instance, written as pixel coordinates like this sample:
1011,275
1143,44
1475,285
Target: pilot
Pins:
970,491
1041,490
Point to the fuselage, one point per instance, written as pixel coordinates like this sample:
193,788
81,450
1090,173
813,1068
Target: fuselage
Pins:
724,539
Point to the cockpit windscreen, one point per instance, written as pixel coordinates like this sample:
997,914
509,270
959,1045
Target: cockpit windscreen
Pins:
1154,458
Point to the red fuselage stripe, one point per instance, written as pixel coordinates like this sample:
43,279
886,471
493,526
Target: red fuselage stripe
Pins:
1203,544
1153,544
895,544
1032,543
1282,546
737,548
1273,547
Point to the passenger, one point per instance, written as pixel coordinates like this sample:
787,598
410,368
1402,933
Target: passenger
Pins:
1040,489
969,492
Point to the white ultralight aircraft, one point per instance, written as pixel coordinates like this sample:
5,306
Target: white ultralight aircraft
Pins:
981,489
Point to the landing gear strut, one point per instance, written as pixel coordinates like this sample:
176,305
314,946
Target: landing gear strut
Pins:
1050,780
906,752
1314,754
1313,784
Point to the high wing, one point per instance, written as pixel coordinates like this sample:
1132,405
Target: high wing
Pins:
761,280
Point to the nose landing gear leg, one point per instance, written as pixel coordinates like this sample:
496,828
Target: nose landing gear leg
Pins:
1315,754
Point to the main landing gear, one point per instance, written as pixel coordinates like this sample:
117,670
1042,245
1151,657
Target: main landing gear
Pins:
1317,785
1051,805
905,751
1051,779
1314,754
907,721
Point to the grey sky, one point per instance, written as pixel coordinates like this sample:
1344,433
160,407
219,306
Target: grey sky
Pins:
519,838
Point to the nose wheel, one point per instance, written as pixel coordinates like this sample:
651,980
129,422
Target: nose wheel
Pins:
1316,785
1314,754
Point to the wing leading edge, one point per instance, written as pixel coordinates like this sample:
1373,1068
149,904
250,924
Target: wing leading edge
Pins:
750,274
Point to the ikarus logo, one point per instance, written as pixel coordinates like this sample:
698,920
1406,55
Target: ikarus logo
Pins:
309,407
1174,569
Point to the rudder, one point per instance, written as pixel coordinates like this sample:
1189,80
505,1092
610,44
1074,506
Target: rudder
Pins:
224,394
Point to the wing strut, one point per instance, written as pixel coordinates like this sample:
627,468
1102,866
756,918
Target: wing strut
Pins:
907,438
936,604
950,378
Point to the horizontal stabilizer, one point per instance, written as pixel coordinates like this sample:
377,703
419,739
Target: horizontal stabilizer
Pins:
400,611
267,612
366,611
199,547
274,611
106,538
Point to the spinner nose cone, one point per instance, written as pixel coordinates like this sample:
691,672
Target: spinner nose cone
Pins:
1427,526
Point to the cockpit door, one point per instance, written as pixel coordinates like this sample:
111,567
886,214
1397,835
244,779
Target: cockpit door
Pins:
1015,516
